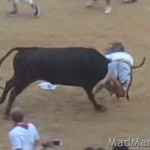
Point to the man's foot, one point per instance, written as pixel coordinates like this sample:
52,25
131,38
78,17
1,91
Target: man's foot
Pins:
13,12
36,11
108,9
100,108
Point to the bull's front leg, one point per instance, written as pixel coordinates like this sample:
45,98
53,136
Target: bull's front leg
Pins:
98,107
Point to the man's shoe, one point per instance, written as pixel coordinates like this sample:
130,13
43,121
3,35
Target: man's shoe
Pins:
108,9
90,3
37,11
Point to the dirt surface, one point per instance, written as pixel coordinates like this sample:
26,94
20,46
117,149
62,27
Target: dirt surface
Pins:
66,113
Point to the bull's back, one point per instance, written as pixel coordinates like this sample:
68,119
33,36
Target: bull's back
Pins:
70,66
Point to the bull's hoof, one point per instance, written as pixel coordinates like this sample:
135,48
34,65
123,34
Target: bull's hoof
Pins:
101,108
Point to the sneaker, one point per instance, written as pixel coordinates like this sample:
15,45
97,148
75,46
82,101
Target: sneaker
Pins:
37,11
108,9
13,12
90,3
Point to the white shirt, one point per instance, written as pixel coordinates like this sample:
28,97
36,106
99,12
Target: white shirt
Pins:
114,56
23,138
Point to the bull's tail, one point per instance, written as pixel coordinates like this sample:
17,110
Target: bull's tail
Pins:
8,53
140,65
4,57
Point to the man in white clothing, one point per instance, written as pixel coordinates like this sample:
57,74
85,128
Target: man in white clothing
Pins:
35,7
24,135
119,76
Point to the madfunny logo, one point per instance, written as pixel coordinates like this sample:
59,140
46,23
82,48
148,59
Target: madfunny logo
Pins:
130,142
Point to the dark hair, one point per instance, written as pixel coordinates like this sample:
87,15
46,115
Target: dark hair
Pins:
117,46
17,115
120,147
114,46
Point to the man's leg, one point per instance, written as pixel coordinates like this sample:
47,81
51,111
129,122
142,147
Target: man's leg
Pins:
108,7
15,7
36,10
125,77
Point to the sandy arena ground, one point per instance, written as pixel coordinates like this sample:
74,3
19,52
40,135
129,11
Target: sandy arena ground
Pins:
66,113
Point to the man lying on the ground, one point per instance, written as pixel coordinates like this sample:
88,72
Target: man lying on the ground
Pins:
119,76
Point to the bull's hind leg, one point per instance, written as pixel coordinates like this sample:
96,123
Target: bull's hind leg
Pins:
98,107
9,85
16,90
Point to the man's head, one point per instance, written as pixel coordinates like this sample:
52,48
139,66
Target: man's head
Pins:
17,115
114,46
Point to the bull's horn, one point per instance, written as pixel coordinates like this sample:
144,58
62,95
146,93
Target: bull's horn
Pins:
140,65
